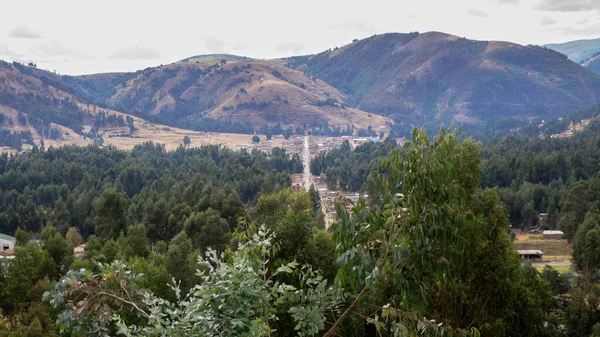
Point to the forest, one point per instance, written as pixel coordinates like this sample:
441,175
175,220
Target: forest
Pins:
212,242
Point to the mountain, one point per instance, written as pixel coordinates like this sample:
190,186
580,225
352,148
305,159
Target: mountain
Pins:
432,78
215,57
208,93
36,104
593,63
579,51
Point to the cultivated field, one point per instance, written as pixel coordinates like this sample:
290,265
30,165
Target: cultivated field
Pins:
554,250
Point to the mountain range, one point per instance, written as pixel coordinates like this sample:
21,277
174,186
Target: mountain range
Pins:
385,82
584,52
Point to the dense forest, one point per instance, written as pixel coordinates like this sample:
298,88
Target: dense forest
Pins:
558,176
209,241
81,187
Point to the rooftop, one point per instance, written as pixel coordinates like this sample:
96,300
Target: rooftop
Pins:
530,252
7,237
553,233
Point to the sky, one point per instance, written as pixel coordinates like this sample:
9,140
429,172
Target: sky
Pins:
83,37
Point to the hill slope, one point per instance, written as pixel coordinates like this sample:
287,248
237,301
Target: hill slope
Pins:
36,104
578,51
435,76
236,96
593,63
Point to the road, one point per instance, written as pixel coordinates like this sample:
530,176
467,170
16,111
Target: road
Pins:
306,161
306,175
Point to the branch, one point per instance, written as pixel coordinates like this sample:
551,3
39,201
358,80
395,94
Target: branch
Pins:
346,313
135,306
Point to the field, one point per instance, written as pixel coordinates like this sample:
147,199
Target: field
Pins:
554,250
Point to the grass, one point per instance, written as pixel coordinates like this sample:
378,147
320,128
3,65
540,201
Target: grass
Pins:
549,247
554,250
560,269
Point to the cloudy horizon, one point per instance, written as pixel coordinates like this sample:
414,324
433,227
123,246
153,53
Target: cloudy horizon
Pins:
73,37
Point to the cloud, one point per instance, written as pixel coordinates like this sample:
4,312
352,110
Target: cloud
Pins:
546,21
24,32
589,30
290,47
478,13
53,48
506,2
214,45
5,52
135,52
357,26
568,5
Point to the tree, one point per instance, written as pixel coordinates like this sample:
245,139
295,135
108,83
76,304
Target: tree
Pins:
23,283
255,139
186,140
408,245
178,263
59,217
290,217
73,237
586,244
136,242
21,237
410,242
207,229
235,298
559,283
529,214
109,211
59,249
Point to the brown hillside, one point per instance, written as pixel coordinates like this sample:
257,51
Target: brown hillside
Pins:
35,94
421,76
250,92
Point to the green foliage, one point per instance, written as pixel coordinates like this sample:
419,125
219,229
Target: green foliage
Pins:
136,243
586,244
289,216
559,283
409,243
109,211
178,263
237,297
208,229
103,191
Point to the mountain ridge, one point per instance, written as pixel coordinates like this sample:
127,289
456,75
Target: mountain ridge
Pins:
441,76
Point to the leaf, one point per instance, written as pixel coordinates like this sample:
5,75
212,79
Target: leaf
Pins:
285,269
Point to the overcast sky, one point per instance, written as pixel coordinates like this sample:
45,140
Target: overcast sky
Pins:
82,37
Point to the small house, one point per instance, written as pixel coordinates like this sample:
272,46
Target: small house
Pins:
553,235
531,255
7,242
79,251
544,219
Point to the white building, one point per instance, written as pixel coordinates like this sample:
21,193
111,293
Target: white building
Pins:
7,242
7,246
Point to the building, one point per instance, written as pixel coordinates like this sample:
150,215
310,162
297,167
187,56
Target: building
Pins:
531,255
544,219
7,242
553,235
79,251
7,254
